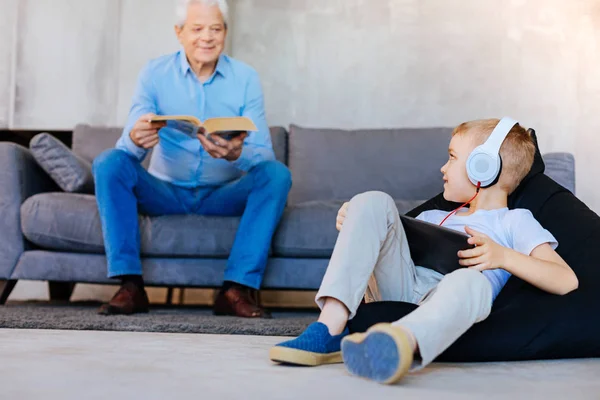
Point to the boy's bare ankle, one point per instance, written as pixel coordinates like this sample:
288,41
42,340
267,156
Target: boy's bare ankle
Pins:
335,325
334,315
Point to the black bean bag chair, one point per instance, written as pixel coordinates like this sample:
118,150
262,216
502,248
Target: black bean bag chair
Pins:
527,323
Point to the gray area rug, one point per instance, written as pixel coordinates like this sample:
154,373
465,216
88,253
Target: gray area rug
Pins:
172,319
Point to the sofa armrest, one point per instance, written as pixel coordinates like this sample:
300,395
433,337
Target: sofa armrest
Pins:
561,168
20,178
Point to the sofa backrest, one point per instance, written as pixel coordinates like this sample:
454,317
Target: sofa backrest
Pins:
560,167
90,141
330,164
333,164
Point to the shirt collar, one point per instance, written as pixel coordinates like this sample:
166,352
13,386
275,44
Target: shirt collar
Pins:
185,66
220,69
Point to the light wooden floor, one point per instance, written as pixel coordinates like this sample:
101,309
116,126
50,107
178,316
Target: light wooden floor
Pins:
37,364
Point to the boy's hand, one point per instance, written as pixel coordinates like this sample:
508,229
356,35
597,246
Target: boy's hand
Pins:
487,255
341,216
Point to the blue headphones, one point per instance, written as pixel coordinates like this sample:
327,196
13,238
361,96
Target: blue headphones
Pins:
484,163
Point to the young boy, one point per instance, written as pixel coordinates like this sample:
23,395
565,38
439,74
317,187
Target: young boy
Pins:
371,258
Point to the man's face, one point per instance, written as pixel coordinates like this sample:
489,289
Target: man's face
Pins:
203,33
457,186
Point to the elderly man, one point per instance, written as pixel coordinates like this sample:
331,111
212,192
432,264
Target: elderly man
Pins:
193,176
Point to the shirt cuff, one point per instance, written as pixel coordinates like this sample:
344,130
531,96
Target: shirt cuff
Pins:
132,148
529,247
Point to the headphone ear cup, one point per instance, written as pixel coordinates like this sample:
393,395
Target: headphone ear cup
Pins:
470,172
484,164
482,167
496,178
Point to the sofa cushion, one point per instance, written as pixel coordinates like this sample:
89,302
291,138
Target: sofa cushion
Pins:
70,172
308,229
90,141
70,222
333,164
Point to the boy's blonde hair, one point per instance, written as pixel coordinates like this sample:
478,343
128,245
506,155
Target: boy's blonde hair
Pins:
517,150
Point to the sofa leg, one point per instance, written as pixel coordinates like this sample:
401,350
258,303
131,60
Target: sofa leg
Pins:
169,299
6,286
60,291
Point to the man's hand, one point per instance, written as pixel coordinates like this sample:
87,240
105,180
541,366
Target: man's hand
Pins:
487,255
145,134
229,150
341,216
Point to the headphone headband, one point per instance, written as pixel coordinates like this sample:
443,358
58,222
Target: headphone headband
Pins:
494,142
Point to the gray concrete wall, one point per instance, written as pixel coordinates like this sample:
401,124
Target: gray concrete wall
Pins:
7,45
389,63
66,63
77,60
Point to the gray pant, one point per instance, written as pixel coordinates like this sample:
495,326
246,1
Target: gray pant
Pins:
371,259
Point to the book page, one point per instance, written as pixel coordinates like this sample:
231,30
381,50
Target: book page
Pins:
229,124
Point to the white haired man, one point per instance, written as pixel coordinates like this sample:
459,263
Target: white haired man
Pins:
236,177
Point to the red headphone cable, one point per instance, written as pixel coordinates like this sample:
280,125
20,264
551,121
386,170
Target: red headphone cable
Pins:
472,198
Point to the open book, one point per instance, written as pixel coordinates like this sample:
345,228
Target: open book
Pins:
227,127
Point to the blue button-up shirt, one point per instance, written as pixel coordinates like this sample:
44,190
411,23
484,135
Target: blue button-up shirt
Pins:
168,86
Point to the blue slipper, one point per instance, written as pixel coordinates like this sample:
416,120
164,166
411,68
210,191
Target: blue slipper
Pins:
383,354
315,346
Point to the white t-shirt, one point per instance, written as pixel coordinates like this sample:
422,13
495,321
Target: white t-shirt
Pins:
516,229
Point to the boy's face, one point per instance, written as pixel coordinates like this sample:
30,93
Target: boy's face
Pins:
457,186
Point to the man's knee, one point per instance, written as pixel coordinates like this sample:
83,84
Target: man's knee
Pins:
371,201
274,173
110,163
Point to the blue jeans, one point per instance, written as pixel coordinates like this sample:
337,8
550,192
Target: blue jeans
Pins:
124,189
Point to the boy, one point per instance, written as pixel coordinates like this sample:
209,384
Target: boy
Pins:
371,258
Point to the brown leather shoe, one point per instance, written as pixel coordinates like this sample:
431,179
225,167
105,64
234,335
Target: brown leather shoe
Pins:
129,299
239,302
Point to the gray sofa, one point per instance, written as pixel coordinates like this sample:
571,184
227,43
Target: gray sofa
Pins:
53,236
